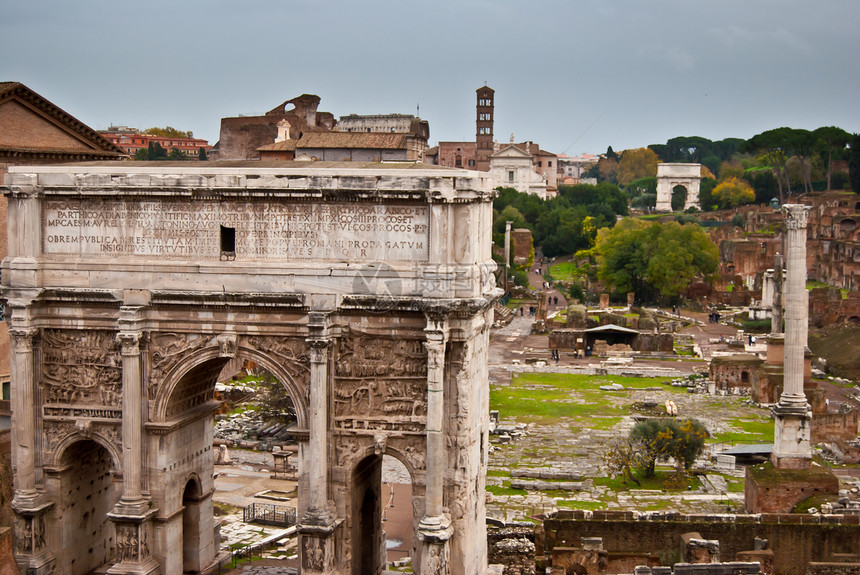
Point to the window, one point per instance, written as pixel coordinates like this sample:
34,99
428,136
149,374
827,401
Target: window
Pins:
549,163
510,175
228,243
540,164
472,162
458,161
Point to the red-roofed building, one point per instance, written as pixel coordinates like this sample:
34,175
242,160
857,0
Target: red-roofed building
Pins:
132,140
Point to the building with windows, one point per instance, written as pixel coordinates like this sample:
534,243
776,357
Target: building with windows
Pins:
131,140
513,167
374,138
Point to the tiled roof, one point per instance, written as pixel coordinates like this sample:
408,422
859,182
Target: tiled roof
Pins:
102,146
354,140
284,146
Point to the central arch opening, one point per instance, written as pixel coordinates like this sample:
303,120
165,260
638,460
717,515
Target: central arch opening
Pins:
251,406
679,198
87,495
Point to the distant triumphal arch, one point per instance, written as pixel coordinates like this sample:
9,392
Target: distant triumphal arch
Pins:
669,176
366,289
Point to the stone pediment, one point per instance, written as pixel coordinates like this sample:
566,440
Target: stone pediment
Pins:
511,152
30,124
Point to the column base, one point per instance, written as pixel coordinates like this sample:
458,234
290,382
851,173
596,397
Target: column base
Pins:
316,543
134,536
792,446
31,550
42,564
434,533
149,567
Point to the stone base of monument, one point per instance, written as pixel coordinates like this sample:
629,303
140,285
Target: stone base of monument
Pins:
771,490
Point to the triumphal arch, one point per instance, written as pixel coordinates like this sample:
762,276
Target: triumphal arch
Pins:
366,289
669,176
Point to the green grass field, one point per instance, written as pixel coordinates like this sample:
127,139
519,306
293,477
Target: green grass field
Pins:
564,271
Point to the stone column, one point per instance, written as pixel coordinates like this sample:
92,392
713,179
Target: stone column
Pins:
434,529
29,503
23,412
130,343
791,447
132,514
777,288
318,427
317,525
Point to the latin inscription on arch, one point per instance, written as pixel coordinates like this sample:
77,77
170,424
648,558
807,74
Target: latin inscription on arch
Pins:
176,230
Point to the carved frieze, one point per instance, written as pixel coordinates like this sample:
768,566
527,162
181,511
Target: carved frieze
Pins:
370,356
55,432
168,349
29,534
380,384
81,368
313,553
292,352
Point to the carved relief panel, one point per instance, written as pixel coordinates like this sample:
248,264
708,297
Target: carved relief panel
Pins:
380,384
82,369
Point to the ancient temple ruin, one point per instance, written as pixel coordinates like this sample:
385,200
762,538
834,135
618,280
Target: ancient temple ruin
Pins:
365,289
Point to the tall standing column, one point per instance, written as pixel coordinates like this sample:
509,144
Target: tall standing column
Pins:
792,447
434,529
23,397
318,427
132,515
317,525
130,343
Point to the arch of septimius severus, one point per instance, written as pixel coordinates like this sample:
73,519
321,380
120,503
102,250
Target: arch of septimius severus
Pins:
365,289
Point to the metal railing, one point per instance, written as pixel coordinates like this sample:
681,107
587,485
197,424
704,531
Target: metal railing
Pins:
269,514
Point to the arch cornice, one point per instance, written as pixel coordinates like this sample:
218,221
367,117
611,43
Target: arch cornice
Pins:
107,442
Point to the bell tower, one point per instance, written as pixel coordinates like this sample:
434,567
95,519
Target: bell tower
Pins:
484,130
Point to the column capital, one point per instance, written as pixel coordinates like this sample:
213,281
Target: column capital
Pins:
437,326
22,338
130,342
319,348
796,216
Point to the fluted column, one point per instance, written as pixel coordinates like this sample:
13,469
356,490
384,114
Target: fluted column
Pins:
318,427
23,411
131,417
796,304
434,529
792,415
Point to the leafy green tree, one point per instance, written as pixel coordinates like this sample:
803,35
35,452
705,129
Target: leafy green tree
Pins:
141,155
833,139
683,440
733,192
156,152
706,188
168,132
635,164
201,154
175,155
654,259
775,146
854,164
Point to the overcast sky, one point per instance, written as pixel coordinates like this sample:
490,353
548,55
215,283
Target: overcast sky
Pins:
573,75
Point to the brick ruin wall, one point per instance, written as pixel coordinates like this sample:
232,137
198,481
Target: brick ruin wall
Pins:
796,539
6,478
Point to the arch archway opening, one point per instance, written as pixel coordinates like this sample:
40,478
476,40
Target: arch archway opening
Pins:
398,513
368,544
250,404
679,198
191,527
87,494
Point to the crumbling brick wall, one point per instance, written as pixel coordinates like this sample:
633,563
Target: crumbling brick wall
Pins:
513,547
